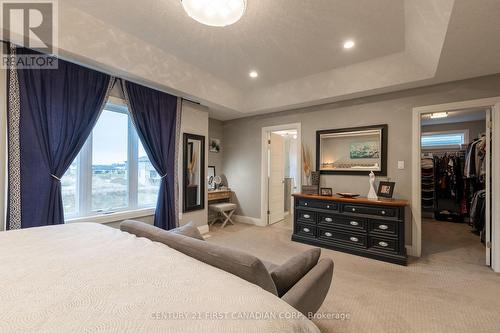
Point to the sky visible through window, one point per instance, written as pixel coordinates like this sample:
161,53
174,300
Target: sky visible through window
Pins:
111,129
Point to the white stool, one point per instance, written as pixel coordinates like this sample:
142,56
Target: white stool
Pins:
225,210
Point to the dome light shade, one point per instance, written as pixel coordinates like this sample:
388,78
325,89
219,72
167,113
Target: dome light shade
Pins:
215,13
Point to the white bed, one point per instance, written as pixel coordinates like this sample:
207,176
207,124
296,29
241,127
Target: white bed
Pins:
88,277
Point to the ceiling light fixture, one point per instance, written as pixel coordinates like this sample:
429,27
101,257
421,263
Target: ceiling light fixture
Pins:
438,115
349,44
215,13
253,74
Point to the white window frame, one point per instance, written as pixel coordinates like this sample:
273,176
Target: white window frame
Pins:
465,133
83,203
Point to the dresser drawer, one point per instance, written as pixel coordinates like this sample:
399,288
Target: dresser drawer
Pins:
306,216
343,237
354,223
383,244
378,211
318,204
384,227
305,230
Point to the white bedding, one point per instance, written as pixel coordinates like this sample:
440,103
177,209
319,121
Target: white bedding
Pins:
86,277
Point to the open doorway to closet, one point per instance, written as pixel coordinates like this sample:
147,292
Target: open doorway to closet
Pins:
455,185
281,173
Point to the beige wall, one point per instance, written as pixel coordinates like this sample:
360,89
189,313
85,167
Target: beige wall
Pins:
215,130
242,137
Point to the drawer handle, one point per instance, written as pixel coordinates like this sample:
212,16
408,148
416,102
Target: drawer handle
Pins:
306,229
384,244
328,234
354,239
328,219
383,227
354,223
306,216
354,209
383,212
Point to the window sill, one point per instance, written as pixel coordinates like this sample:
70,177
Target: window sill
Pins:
114,217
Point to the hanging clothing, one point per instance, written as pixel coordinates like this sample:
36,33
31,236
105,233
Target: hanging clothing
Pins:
474,158
449,187
449,177
478,213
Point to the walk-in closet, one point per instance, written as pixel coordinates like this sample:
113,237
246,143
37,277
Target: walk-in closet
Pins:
454,175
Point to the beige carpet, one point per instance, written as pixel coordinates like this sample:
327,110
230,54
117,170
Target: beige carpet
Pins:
447,290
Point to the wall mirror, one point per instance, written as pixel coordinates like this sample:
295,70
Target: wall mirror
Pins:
357,150
194,172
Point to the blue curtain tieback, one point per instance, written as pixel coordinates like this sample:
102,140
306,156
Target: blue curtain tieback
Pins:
55,177
165,175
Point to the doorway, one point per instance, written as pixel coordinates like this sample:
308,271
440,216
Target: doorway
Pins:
454,174
451,207
281,173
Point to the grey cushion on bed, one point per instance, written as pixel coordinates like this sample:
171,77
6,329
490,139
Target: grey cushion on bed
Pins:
246,266
310,291
189,230
287,275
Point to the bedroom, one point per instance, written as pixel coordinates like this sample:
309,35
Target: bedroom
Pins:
160,113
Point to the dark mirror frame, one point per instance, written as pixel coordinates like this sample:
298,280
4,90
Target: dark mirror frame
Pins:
186,138
383,159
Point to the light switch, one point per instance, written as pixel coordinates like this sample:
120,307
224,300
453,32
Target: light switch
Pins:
401,165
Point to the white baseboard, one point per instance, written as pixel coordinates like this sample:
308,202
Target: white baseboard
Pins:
203,229
248,220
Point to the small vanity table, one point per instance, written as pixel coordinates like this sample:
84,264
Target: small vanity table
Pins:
360,226
219,195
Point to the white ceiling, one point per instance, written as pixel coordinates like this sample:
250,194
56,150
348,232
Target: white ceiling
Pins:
295,45
281,39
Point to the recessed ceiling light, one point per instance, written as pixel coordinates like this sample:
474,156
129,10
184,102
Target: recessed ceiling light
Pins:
438,115
349,44
253,74
215,13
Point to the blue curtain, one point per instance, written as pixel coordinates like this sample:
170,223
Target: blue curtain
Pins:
154,114
58,109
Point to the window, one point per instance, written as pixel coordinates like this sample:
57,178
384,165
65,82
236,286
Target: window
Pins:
148,180
448,139
112,171
69,189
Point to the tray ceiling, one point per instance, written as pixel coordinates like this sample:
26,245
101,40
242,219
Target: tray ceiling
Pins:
296,46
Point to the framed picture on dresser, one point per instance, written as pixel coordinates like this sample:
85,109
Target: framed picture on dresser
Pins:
326,191
386,189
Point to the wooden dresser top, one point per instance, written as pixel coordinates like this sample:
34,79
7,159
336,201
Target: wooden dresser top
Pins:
359,200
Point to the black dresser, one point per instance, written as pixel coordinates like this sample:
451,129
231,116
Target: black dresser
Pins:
369,228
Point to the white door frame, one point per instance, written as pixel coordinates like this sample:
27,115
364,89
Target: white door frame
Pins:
492,103
264,164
